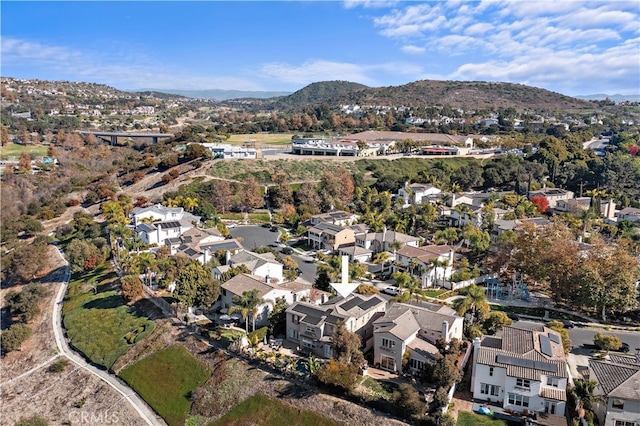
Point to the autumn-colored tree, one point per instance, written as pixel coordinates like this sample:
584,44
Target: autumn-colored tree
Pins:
346,345
250,195
541,203
4,136
131,287
24,164
307,194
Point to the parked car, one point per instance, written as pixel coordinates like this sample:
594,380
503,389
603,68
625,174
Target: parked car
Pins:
274,229
624,347
393,291
568,324
513,316
287,250
299,271
266,225
232,225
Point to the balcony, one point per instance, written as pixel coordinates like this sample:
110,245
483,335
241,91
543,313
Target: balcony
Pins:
388,350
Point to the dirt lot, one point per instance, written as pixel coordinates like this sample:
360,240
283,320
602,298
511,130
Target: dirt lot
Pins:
73,395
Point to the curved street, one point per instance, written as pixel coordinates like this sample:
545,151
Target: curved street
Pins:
145,412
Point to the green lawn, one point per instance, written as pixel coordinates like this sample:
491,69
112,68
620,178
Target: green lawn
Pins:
97,320
165,380
14,150
435,293
473,419
261,138
263,410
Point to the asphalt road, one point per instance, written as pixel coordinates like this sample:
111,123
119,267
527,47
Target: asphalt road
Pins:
256,236
584,335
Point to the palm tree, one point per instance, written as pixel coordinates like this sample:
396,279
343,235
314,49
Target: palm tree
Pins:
189,203
475,301
583,390
247,305
404,280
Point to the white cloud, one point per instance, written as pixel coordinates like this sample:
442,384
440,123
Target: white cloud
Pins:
369,4
123,69
316,70
413,50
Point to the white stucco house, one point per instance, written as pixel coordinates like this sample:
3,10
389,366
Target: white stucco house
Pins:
263,265
522,369
618,388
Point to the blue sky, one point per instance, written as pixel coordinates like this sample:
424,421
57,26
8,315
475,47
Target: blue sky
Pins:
571,47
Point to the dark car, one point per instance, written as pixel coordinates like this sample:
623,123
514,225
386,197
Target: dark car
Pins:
287,250
299,272
568,324
266,225
513,316
624,347
274,229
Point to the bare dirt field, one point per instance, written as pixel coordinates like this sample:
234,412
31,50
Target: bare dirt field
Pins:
73,396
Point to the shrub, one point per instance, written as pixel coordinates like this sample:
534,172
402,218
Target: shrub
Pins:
341,376
34,420
13,338
58,366
258,334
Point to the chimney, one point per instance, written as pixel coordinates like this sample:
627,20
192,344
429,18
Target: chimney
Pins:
266,279
227,258
323,298
445,331
345,269
476,349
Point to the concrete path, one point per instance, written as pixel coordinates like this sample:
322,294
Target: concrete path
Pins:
143,410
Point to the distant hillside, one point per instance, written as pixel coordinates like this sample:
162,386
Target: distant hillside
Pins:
218,94
614,98
463,94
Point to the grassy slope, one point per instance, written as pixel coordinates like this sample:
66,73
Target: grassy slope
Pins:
14,150
263,410
472,419
261,138
98,323
165,380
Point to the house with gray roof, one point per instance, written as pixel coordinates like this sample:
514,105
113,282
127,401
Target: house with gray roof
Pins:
522,369
329,236
263,265
412,329
430,263
160,213
311,327
619,387
291,292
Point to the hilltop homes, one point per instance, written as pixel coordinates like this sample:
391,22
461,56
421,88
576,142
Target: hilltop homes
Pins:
418,193
414,330
157,223
552,195
522,369
311,326
618,388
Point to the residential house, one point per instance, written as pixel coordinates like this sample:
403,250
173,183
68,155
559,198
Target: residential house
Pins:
204,252
414,330
327,236
552,195
263,265
619,389
385,240
159,232
311,327
431,263
160,213
418,193
630,213
522,369
291,291
336,217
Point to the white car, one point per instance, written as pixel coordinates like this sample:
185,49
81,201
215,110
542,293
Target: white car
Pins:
393,291
231,225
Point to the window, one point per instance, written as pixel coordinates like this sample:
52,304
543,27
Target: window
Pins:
553,381
488,389
295,319
293,334
387,363
310,330
519,400
617,404
523,383
625,423
491,371
308,344
416,364
550,407
388,344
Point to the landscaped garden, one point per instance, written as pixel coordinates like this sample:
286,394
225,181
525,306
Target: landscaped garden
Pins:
472,419
98,322
263,410
165,381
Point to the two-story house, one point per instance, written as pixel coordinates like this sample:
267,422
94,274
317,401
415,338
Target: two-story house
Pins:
385,241
431,263
159,232
160,213
618,388
262,265
629,213
418,193
311,327
291,292
553,195
327,236
414,330
522,369
336,217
